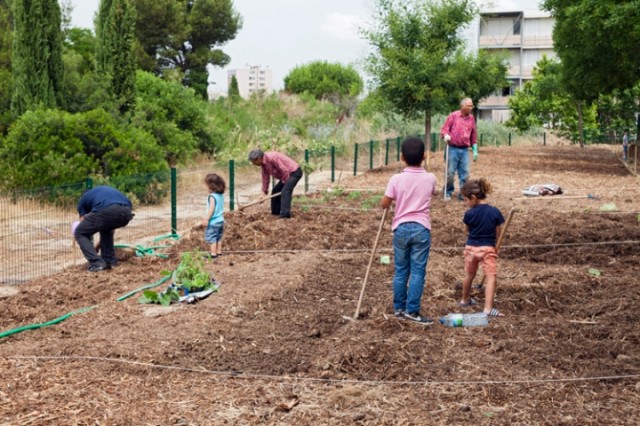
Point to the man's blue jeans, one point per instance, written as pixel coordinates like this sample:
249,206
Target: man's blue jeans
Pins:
411,245
458,162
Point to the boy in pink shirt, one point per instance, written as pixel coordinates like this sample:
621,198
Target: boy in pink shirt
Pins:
412,191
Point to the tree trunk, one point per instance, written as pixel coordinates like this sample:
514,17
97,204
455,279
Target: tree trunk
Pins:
427,135
580,124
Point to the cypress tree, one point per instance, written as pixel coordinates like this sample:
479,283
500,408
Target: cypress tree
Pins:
234,90
6,84
115,57
37,67
102,36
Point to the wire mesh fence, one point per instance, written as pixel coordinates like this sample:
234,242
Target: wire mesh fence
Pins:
35,224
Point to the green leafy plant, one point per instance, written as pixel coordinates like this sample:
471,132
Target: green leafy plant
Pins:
191,273
190,276
354,195
372,202
594,272
164,299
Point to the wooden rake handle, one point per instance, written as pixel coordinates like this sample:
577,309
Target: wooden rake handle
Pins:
373,253
259,201
501,238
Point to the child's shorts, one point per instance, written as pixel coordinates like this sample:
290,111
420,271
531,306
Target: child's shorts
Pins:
485,256
214,232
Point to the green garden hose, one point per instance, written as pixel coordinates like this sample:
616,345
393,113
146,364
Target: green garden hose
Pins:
146,287
45,324
167,237
79,311
142,251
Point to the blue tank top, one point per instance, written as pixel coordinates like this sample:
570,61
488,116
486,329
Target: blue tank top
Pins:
218,212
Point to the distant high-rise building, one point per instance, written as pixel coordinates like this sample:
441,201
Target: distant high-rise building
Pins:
526,37
252,79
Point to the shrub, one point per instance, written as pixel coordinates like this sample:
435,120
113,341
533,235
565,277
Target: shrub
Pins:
52,147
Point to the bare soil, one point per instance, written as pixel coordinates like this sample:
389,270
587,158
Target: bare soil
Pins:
275,345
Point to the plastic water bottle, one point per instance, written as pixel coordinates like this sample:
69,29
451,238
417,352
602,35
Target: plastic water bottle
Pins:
465,320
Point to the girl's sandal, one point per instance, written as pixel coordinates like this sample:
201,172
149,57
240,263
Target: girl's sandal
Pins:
495,313
471,302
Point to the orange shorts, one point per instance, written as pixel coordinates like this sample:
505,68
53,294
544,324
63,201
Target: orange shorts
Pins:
485,256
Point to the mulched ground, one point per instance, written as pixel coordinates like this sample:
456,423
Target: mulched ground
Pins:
277,334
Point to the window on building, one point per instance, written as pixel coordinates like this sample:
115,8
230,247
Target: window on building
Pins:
517,23
511,89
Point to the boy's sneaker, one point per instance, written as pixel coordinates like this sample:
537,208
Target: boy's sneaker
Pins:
417,318
398,314
97,268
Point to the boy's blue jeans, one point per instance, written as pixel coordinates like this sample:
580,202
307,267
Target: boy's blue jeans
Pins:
411,245
458,162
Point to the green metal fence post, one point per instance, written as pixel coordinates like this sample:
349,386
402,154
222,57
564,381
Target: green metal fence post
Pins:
509,138
355,160
232,185
544,138
386,153
481,137
433,141
174,201
398,139
88,184
371,155
306,175
333,163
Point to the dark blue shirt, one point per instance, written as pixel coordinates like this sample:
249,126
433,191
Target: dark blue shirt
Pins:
100,197
482,221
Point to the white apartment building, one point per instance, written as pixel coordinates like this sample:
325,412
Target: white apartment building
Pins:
252,79
526,37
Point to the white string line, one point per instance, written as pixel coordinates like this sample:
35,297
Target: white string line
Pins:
245,376
532,246
600,189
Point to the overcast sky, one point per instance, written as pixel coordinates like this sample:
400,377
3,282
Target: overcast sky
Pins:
281,34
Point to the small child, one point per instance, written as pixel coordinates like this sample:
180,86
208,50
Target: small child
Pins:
412,191
483,223
625,144
214,218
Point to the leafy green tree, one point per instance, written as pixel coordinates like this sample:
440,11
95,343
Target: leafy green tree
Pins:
543,101
616,111
38,71
115,30
592,38
174,115
234,90
418,62
6,83
480,75
84,88
185,35
324,80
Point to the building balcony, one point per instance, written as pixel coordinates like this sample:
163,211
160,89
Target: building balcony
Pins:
527,72
537,42
494,102
499,42
514,71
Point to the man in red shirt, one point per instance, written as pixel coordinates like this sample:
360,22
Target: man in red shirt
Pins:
283,168
459,132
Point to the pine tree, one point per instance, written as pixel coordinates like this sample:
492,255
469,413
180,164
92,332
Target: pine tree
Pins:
234,90
115,57
37,67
